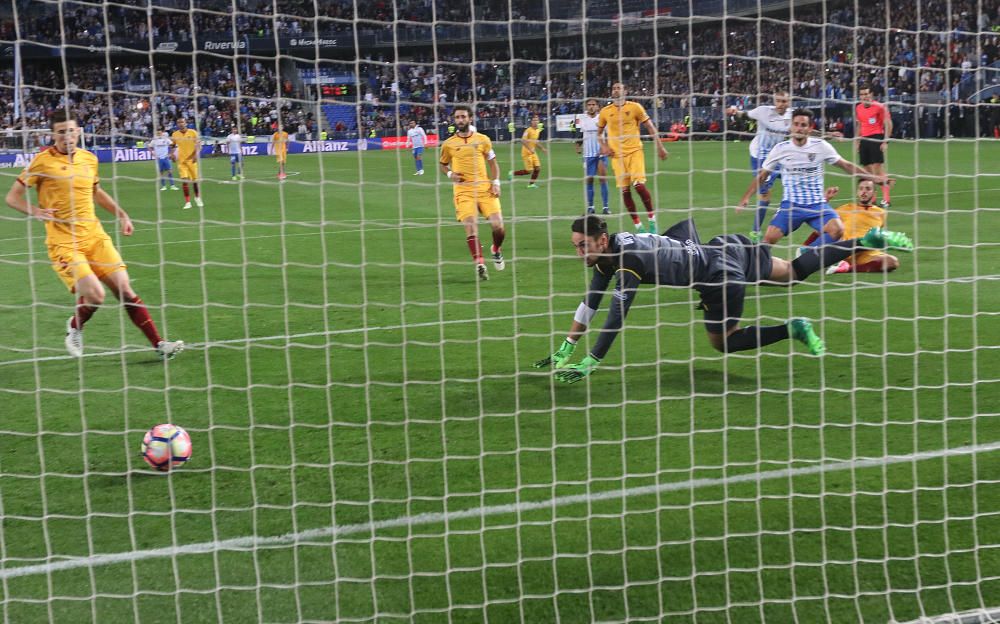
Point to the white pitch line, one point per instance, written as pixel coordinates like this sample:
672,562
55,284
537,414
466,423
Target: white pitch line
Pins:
334,532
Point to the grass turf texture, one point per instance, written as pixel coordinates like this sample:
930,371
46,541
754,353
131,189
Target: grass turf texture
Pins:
346,367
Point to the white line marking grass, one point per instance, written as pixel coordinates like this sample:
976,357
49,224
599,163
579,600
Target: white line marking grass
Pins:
334,532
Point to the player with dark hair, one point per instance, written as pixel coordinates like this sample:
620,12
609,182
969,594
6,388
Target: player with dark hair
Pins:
859,217
802,160
872,129
594,164
719,270
83,255
530,144
464,158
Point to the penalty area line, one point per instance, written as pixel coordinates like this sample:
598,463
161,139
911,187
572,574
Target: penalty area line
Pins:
334,531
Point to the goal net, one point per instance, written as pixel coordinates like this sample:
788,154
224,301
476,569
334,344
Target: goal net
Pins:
371,441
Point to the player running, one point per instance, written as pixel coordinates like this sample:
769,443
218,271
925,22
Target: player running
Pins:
160,146
593,162
720,271
234,145
418,140
773,123
279,144
872,127
187,145
802,160
464,157
529,152
623,144
83,255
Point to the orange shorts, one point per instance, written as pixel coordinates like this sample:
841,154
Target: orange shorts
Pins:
531,161
470,202
95,256
629,168
864,257
188,170
281,156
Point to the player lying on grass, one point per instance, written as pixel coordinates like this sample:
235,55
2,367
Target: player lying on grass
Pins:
858,218
720,271
83,255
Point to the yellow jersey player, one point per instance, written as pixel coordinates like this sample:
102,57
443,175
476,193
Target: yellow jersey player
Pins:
83,255
186,148
464,157
529,152
279,141
622,119
861,217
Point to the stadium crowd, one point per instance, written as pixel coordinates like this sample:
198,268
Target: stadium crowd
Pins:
927,47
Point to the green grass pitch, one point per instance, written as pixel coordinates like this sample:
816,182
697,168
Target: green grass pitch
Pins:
346,367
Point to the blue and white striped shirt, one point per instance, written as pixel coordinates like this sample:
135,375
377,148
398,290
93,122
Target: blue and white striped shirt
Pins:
417,136
772,128
802,169
588,125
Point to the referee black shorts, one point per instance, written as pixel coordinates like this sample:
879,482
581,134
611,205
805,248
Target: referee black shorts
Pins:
870,151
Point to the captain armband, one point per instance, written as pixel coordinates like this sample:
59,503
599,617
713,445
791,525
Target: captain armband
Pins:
584,314
490,155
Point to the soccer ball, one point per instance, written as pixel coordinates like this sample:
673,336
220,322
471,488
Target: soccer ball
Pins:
165,447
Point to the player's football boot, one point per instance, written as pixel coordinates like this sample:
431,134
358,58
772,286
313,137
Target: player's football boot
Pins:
878,238
884,204
498,261
840,267
163,188
590,210
169,350
754,237
481,271
606,210
74,339
174,187
510,174
198,202
651,228
187,206
801,330
533,185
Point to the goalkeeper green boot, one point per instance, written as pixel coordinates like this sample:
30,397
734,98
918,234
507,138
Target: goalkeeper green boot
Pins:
801,330
877,238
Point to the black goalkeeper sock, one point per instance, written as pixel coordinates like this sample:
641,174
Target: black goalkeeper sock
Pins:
754,337
814,259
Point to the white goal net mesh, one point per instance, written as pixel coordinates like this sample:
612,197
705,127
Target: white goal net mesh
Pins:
371,441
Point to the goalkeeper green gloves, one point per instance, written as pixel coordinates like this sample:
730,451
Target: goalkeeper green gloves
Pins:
576,372
560,358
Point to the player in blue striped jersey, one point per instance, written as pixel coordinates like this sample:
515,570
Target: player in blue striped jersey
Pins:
160,146
772,128
802,160
593,162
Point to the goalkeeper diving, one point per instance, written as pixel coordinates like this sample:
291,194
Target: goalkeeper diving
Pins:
719,270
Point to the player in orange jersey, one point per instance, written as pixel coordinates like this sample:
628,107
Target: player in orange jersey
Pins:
279,140
623,144
529,153
83,255
859,217
186,148
464,157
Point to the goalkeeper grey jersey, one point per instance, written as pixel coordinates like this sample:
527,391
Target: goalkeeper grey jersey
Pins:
675,259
